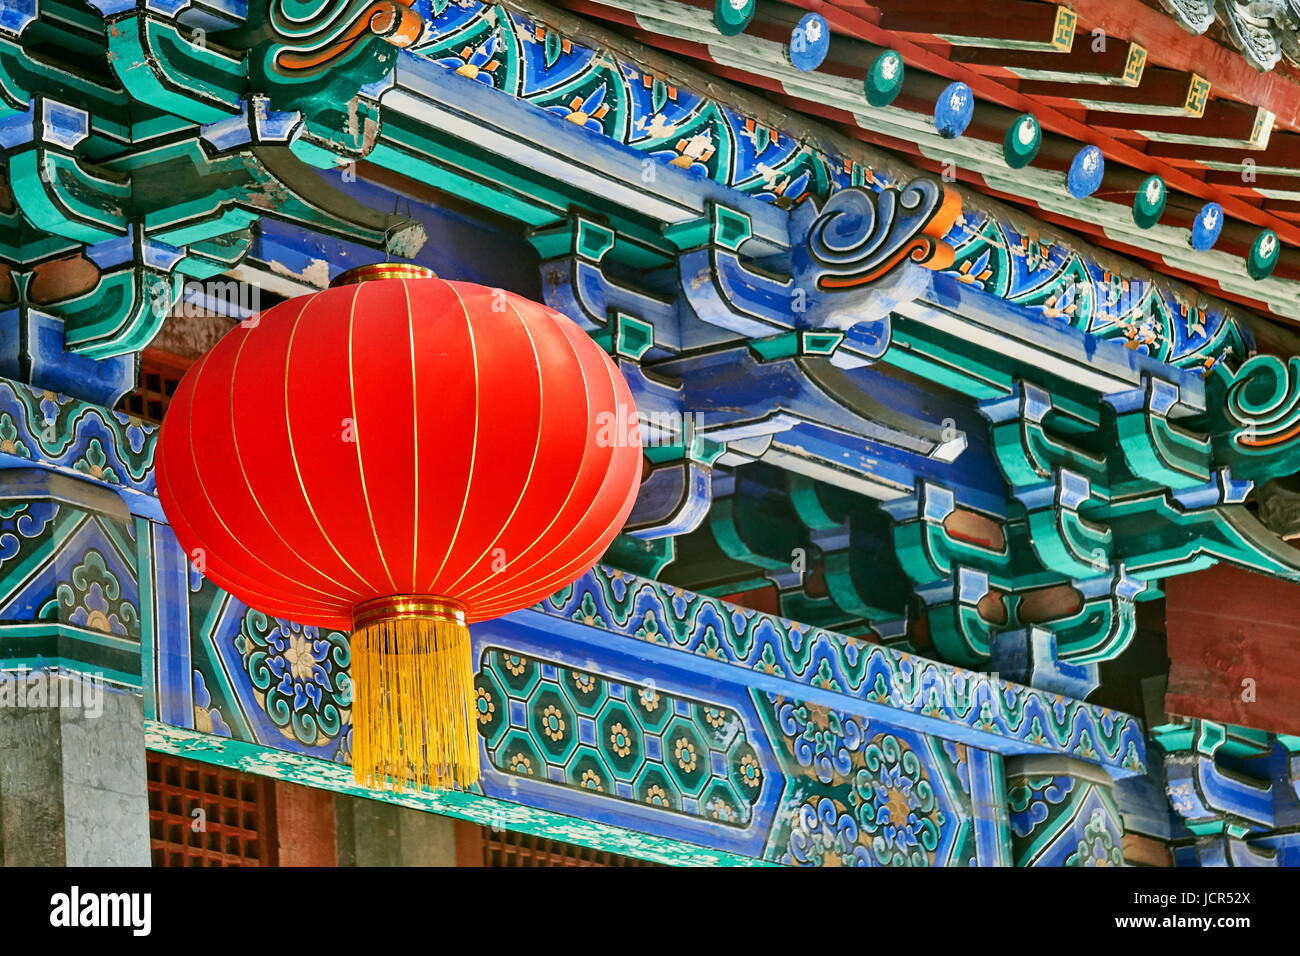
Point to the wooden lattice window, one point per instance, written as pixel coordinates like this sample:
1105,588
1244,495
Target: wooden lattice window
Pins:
502,848
160,374
235,822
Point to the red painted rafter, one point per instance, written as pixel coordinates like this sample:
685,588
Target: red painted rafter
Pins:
1017,21
1228,72
1160,89
1223,120
1121,63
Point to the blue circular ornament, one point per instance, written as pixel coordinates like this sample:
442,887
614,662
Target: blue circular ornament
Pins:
809,41
1086,171
953,110
1206,227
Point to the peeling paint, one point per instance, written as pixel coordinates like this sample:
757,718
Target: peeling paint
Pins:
462,805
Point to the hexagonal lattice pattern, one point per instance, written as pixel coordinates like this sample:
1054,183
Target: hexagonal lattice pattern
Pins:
625,741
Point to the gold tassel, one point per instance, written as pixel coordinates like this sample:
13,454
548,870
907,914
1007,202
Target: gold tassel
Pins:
412,694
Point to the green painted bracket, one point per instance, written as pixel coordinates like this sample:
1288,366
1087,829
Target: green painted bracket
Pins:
23,77
859,586
1154,448
819,506
328,139
1054,546
20,243
161,63
1104,625
182,72
121,314
1157,450
722,228
187,194
703,450
190,207
1064,541
644,557
125,310
1207,738
765,534
861,581
958,631
929,553
1157,538
217,256
579,236
1028,454
814,343
13,98
1099,630
59,195
626,336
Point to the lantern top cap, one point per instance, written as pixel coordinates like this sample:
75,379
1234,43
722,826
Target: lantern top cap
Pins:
382,270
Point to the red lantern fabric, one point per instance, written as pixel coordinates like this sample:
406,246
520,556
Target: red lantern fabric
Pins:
398,436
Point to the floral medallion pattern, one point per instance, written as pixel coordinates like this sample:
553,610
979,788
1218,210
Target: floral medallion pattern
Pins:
867,795
895,804
92,599
299,674
823,834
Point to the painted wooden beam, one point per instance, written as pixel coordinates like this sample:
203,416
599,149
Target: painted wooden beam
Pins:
832,99
1011,25
1161,93
977,162
1223,125
1281,158
1267,184
1116,64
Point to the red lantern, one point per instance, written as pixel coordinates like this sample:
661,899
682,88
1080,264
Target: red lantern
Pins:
401,456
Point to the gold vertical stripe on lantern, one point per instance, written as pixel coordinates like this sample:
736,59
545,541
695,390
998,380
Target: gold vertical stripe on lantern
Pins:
412,694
